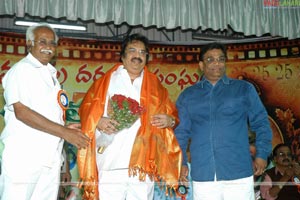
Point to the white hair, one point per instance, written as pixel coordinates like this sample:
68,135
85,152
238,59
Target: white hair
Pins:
30,31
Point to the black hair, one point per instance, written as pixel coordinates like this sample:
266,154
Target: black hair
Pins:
274,152
212,46
130,39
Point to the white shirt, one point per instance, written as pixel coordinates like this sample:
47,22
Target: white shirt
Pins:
36,86
117,154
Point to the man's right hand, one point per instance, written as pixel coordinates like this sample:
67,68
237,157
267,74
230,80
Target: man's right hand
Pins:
74,136
184,175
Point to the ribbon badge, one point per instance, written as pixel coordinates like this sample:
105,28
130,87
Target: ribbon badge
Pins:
63,100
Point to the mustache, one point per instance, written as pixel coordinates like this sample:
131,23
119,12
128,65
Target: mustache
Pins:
47,51
137,59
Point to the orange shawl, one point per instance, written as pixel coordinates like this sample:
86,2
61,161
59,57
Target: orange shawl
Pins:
155,151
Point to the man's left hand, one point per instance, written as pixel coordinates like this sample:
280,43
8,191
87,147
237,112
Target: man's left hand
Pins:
260,166
162,120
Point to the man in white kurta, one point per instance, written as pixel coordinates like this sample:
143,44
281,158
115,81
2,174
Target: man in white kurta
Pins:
145,152
29,152
114,161
34,129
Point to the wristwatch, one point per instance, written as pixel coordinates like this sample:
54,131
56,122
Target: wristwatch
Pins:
182,190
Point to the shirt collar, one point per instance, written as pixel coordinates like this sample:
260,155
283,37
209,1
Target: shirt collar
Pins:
38,64
35,61
224,79
122,70
278,171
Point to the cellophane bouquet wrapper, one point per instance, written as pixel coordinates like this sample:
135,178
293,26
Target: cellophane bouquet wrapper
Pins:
125,111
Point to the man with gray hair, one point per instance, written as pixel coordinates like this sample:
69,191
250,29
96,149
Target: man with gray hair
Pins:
34,130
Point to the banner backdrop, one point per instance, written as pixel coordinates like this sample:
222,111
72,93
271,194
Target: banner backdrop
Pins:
273,67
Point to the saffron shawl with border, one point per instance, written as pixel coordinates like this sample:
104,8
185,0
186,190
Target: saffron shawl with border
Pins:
155,152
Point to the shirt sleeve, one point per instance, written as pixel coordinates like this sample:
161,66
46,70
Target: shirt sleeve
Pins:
260,124
265,186
11,88
182,130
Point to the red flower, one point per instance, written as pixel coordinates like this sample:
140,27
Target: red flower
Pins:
124,110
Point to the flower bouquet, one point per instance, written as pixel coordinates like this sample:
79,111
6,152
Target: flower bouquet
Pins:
125,111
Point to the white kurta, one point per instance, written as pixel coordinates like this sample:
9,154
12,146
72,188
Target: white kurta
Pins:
113,163
28,151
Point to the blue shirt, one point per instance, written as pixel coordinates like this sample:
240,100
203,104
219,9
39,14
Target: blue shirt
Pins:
216,119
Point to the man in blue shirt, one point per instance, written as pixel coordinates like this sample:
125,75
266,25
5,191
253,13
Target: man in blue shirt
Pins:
215,114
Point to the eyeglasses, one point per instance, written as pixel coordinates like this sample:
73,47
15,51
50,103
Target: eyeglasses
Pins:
281,154
44,43
133,51
211,60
